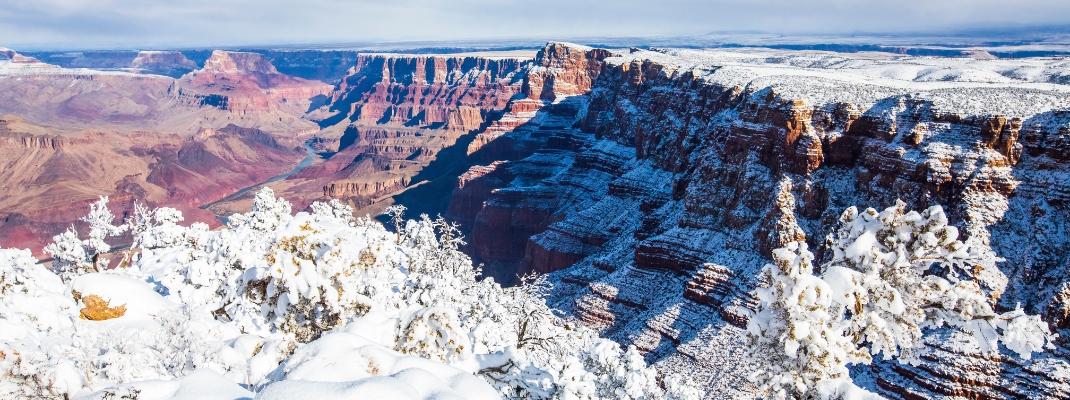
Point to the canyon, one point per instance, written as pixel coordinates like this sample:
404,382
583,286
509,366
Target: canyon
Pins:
71,135
650,186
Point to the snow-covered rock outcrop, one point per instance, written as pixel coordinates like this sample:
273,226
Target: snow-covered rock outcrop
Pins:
683,158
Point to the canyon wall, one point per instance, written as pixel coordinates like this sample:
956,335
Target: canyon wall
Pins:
402,128
654,211
396,121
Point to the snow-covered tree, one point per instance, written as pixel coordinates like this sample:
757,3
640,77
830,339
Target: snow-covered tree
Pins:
797,337
157,228
892,274
334,209
74,256
100,227
69,254
897,272
397,218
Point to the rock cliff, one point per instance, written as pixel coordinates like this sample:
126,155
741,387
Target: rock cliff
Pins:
655,209
170,63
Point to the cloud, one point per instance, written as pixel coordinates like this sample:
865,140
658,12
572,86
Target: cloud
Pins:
207,23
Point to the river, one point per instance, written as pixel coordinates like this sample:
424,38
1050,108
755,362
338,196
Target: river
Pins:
309,158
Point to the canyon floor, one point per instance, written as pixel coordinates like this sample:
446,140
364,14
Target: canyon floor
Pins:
649,185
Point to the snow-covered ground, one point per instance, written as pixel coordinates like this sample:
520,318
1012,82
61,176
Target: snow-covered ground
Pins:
319,305
1021,87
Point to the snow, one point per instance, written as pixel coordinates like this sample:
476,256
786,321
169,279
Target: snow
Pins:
309,305
862,245
892,274
141,302
202,384
844,389
406,385
360,366
1019,87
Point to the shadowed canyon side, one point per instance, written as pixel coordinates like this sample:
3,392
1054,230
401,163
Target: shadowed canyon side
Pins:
70,135
655,211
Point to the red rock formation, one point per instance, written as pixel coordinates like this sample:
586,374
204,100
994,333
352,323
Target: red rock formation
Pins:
170,63
710,285
343,189
422,91
396,114
246,83
408,112
564,70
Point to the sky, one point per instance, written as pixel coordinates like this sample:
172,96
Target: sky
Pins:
146,24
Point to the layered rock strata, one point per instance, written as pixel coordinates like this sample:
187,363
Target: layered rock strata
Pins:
409,125
392,116
246,83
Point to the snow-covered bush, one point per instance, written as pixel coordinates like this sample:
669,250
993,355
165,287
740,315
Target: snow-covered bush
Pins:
73,256
267,215
892,274
69,255
157,228
246,300
434,333
50,351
